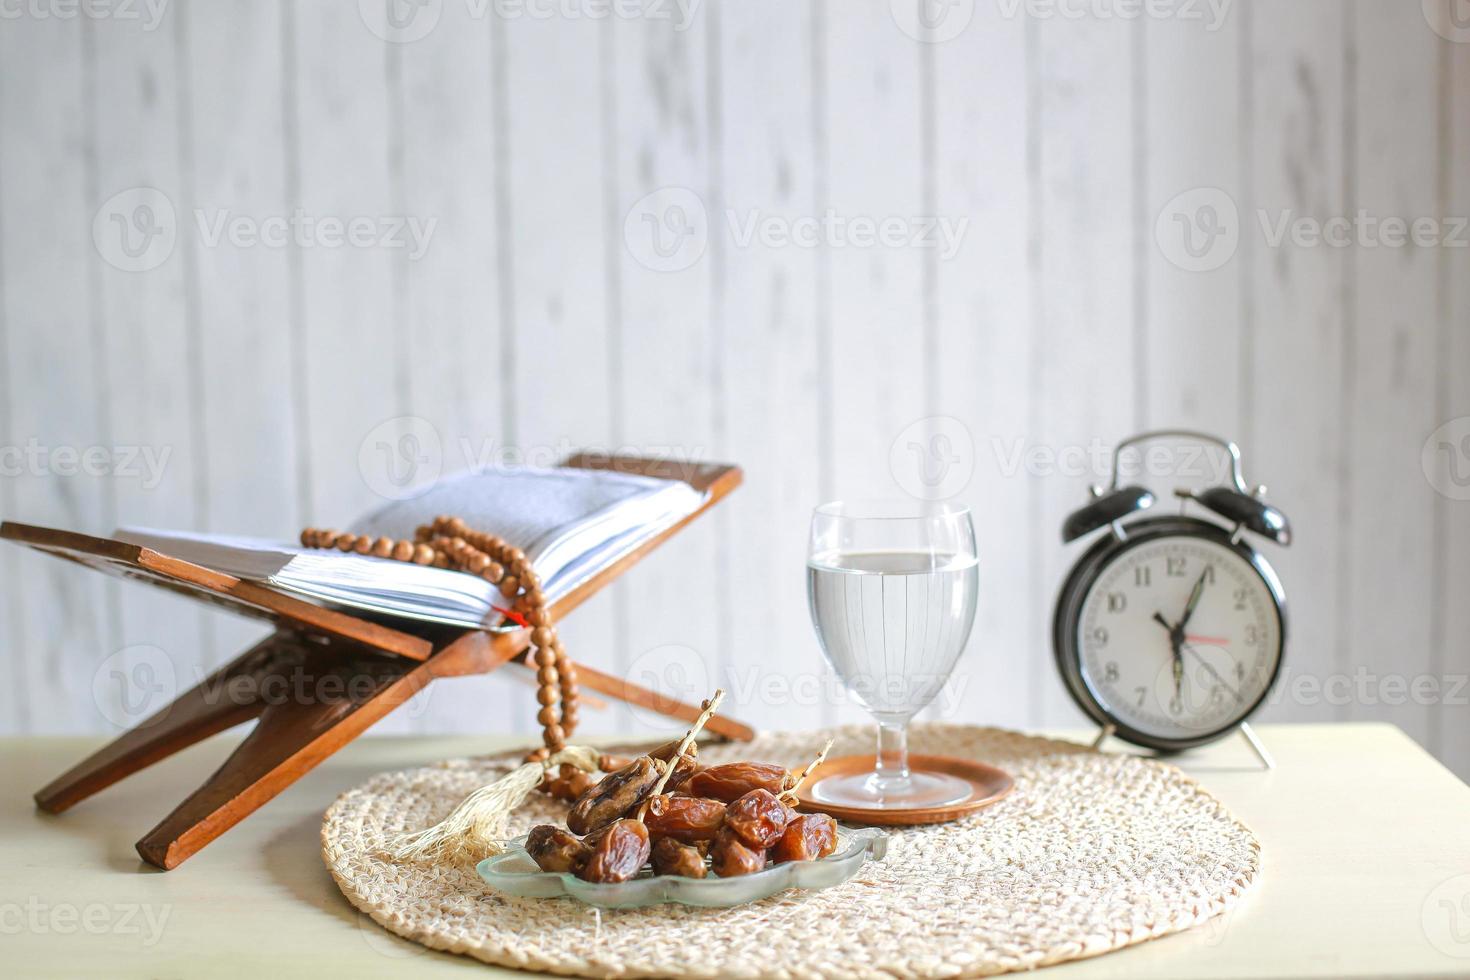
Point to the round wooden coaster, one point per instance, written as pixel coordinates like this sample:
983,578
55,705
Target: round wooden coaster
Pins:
987,785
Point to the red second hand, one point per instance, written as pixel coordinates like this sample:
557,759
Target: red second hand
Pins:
1218,641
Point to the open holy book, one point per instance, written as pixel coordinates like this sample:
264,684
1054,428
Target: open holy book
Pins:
571,522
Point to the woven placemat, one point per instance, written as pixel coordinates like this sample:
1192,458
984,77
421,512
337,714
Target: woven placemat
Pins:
1091,852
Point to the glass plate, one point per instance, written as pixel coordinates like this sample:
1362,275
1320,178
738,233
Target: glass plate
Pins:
514,873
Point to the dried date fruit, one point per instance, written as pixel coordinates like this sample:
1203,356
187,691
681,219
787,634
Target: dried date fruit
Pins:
621,850
666,751
555,849
613,797
729,857
608,762
571,786
733,780
684,818
673,858
807,838
757,818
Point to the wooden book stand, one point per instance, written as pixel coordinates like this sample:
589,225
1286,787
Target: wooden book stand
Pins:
356,670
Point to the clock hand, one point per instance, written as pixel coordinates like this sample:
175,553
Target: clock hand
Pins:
1214,673
1194,594
1176,638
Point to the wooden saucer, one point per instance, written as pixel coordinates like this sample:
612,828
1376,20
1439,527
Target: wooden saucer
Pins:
988,785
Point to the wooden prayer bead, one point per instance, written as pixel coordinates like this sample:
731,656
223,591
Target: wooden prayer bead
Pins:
447,542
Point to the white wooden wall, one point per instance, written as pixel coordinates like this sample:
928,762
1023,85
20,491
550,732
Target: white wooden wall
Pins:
532,321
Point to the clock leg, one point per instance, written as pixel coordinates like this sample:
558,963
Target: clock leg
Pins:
1257,746
1103,735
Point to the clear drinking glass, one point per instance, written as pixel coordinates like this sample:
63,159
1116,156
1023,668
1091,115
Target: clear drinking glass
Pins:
892,587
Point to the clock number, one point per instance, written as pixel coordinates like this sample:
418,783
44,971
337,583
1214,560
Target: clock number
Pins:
1142,692
1117,602
1100,635
1174,567
1239,671
1240,596
1252,635
1209,575
1110,672
1142,576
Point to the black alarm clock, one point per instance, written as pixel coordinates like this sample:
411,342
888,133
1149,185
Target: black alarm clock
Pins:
1169,630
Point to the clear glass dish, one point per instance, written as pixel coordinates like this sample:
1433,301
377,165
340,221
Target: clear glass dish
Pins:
514,873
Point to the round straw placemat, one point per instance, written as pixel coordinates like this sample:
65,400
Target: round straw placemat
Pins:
1090,853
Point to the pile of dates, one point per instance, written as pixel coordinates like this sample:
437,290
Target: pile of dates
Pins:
726,819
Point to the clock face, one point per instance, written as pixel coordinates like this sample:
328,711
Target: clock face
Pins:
1178,636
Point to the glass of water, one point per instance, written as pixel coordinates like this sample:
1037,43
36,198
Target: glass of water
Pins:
892,587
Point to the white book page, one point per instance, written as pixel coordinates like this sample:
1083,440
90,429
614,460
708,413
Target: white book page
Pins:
572,523
554,515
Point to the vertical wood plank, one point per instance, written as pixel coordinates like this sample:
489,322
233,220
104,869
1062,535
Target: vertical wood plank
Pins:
1392,369
149,339
1190,336
558,257
1296,439
353,378
235,135
774,668
444,160
17,719
1452,514
444,152
59,626
875,171
981,172
1083,371
666,372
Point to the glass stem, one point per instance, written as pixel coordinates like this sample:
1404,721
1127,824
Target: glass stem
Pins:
892,770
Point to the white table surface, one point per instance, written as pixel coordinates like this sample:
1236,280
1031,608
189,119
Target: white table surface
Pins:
1366,870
